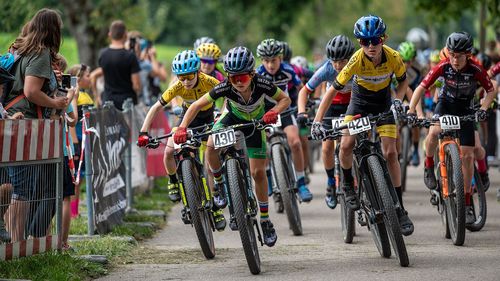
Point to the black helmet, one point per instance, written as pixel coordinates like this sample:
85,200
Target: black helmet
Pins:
202,40
459,42
269,48
339,47
239,60
485,60
287,51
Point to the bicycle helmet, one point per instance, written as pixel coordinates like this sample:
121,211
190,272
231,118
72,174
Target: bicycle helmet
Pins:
269,48
368,27
239,60
202,40
300,61
287,51
185,62
339,47
407,51
443,54
208,51
459,42
434,57
485,60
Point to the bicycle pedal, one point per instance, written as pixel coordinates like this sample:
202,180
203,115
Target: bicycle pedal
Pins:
361,219
434,198
185,216
232,224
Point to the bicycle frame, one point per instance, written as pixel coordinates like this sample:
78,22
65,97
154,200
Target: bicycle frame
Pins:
446,138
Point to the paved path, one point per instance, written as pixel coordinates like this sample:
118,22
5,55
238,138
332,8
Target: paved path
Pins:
320,253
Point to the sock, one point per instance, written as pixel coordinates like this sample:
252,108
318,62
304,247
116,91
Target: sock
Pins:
347,173
217,175
481,165
467,199
429,161
400,195
264,210
415,147
173,178
74,207
300,174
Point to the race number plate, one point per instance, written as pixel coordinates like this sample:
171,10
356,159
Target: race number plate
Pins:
278,122
337,122
224,138
179,146
359,125
449,122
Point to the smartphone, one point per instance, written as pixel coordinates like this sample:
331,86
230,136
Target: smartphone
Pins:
73,81
66,81
132,42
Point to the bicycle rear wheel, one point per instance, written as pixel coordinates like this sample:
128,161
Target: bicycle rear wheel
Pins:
288,195
478,201
391,220
244,220
200,216
405,154
455,203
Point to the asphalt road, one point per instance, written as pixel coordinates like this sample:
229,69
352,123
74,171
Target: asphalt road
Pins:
321,254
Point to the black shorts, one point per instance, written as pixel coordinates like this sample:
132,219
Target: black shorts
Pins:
466,133
335,110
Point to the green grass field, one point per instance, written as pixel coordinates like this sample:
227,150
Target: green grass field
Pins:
70,52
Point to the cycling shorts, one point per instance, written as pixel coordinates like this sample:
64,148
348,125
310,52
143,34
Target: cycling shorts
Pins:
335,110
467,134
255,139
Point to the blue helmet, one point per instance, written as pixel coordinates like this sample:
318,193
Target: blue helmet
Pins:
185,62
368,27
239,60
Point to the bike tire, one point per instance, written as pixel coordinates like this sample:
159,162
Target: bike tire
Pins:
478,200
405,152
455,203
379,233
391,220
441,206
288,195
200,217
244,221
347,219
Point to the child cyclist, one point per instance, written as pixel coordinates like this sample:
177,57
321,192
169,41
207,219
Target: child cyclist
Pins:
190,86
339,49
245,92
281,74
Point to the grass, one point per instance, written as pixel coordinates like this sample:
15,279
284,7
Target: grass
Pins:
66,266
70,51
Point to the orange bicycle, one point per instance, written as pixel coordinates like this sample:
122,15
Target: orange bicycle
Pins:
449,196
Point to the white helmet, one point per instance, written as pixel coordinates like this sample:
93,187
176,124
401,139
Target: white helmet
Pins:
418,37
300,61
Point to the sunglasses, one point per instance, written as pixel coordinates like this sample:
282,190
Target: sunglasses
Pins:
187,77
208,61
374,41
241,78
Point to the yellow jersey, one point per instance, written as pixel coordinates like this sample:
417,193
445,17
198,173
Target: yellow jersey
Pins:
371,78
204,84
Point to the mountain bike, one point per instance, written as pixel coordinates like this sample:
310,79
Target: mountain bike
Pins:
449,195
242,202
478,200
404,153
378,200
195,194
283,173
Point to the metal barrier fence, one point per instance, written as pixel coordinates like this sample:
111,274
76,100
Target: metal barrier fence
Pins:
31,179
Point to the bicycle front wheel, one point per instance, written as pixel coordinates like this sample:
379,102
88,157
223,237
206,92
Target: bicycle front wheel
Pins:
405,154
455,203
478,200
200,216
285,183
391,220
245,222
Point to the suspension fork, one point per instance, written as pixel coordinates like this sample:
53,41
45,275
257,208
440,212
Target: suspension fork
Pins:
442,163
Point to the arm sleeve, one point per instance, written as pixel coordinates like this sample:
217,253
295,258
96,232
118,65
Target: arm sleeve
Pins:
495,70
170,93
317,78
399,69
432,76
346,73
214,94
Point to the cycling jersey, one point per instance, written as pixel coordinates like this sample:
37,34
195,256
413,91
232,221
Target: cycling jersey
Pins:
414,76
372,81
281,78
459,86
328,73
293,91
204,84
237,105
217,75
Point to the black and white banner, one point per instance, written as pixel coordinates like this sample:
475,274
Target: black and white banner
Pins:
109,138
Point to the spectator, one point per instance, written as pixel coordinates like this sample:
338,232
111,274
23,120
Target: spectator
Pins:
119,67
35,79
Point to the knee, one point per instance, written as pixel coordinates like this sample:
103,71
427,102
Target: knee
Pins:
468,156
390,153
295,144
327,149
259,173
346,146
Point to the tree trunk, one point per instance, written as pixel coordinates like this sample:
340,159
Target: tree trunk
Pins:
482,26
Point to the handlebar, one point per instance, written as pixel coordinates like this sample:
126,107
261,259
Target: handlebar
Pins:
427,122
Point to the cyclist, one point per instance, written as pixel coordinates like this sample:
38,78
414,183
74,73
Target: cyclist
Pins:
209,54
245,92
190,86
408,53
461,76
202,40
272,68
372,67
338,50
